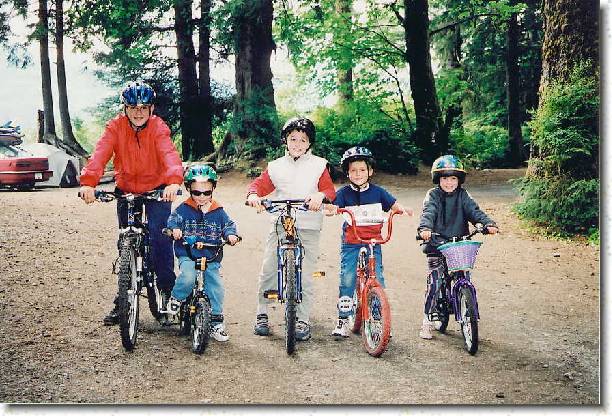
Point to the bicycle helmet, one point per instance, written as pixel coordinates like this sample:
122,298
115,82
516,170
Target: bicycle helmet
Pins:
447,165
300,124
200,173
356,153
138,93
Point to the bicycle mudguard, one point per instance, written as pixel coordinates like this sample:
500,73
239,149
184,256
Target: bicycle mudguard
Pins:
462,282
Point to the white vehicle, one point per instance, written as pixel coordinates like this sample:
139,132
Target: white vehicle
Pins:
65,167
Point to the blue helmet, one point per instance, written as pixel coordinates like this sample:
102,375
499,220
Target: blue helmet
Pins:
138,93
356,153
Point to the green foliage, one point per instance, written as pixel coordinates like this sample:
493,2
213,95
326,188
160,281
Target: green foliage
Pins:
562,191
480,143
362,123
560,204
565,127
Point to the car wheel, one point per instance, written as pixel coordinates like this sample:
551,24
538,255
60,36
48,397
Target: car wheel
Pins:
69,178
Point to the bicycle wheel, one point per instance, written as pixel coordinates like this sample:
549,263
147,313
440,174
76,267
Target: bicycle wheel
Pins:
200,330
290,296
377,328
469,322
355,317
127,300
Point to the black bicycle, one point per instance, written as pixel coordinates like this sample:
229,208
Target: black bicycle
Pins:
134,267
195,312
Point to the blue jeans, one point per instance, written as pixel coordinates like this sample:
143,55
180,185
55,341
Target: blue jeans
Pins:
162,252
213,285
349,253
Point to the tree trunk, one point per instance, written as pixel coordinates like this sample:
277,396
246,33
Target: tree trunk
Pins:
42,34
254,109
513,90
67,134
422,85
188,81
205,145
344,71
570,37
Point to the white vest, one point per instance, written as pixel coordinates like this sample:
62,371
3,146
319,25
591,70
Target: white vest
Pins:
298,179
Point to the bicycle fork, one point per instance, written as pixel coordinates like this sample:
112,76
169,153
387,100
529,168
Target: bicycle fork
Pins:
279,294
463,280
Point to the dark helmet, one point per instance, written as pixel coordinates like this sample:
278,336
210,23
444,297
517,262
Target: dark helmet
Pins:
356,153
300,124
447,165
200,173
138,93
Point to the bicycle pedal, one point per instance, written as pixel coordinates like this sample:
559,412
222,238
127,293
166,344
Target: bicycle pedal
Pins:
270,294
318,274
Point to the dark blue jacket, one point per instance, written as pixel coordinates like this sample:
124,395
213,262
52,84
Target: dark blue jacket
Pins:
196,225
449,214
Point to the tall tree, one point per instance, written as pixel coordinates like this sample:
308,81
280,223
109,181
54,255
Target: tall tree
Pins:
422,85
42,35
515,135
67,134
205,144
345,61
254,108
188,79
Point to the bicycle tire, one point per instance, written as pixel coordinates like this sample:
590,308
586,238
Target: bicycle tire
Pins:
290,296
128,299
200,327
469,322
376,330
355,317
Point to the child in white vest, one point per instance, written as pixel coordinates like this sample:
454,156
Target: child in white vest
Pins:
297,175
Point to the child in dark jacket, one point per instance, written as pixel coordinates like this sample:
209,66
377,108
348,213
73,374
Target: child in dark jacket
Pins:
201,219
447,209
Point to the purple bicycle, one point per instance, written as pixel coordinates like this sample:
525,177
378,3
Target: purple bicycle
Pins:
455,291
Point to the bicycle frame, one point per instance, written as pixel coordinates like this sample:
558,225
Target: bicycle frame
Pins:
289,241
366,273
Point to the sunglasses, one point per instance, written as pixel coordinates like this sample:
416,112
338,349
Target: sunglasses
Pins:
198,193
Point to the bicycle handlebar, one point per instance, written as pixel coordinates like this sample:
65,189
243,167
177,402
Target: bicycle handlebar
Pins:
370,220
198,245
108,196
479,228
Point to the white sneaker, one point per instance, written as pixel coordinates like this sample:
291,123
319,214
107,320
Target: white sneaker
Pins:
218,333
342,328
174,306
426,331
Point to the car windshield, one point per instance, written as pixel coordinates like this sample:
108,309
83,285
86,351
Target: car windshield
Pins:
8,151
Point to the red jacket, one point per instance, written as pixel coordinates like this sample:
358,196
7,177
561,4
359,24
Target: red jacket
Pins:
143,161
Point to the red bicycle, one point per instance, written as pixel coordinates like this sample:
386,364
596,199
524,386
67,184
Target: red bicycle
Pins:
371,312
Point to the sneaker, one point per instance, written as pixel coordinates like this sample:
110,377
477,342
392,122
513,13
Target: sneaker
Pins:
174,306
218,332
342,328
112,318
426,331
261,325
302,331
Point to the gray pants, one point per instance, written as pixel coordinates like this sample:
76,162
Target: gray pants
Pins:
268,274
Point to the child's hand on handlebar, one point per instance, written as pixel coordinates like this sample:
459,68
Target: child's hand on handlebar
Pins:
87,194
491,229
232,239
170,192
254,201
315,200
177,233
330,209
425,235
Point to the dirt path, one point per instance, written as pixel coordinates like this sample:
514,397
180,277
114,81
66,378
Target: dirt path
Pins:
539,305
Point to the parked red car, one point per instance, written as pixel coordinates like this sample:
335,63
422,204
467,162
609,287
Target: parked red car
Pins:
20,170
